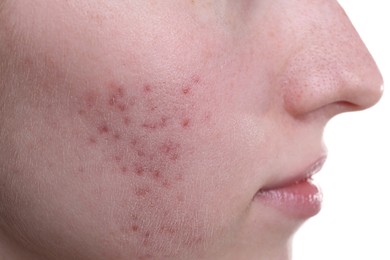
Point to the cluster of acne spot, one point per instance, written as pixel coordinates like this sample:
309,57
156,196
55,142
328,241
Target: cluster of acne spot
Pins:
111,132
129,153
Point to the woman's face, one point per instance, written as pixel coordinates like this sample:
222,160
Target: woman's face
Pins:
146,129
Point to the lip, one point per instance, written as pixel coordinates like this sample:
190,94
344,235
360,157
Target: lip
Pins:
295,197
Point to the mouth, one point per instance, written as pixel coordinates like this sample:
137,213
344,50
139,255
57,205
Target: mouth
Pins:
296,197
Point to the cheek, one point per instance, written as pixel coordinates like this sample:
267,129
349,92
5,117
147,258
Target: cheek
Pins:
144,138
143,130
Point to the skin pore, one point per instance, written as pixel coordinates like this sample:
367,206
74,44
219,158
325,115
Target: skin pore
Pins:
143,129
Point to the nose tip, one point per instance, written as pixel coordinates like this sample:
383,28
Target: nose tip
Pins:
370,96
362,86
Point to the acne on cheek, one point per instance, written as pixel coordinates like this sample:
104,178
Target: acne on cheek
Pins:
142,149
129,141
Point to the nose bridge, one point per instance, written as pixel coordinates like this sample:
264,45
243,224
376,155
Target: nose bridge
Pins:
331,65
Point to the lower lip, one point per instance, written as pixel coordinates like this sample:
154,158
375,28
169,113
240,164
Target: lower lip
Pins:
300,200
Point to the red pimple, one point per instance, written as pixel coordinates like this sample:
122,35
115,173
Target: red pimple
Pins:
140,153
124,169
81,112
186,90
185,123
134,142
147,88
117,92
150,126
196,79
139,170
126,121
170,149
28,62
122,107
207,116
156,175
117,89
117,158
162,123
112,100
117,136
134,228
167,230
90,98
120,92
131,101
179,177
153,108
142,192
92,140
166,184
103,129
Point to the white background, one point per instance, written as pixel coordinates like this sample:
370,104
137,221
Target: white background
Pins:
354,223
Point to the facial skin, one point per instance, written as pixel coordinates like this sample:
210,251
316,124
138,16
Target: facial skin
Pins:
143,129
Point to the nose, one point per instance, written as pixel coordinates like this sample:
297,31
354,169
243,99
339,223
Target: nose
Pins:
331,69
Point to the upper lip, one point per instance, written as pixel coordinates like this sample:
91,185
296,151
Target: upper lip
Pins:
301,176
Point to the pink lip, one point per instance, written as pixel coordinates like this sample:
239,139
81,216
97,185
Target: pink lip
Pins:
295,197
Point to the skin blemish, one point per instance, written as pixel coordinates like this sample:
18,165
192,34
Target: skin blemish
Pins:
116,97
134,217
92,140
170,149
153,108
146,238
90,98
150,126
124,169
166,184
186,90
196,241
179,177
156,175
195,79
139,170
112,100
147,88
117,90
103,129
207,117
167,230
134,142
142,192
135,228
141,153
185,123
117,136
126,121
117,158
122,107
161,123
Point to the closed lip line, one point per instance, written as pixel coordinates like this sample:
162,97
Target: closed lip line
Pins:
302,176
